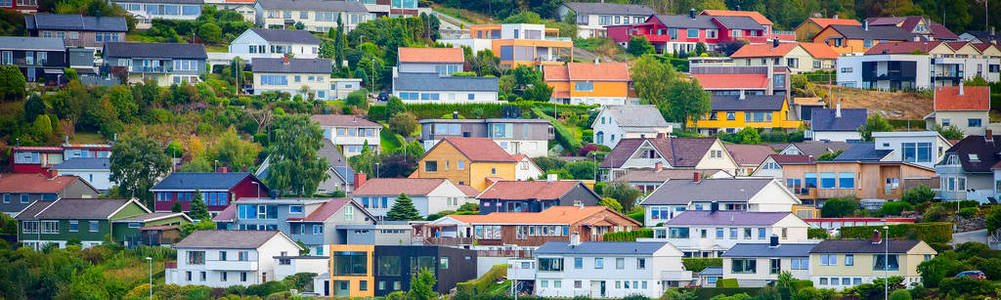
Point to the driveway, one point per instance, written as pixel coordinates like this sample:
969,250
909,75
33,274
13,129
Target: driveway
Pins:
979,236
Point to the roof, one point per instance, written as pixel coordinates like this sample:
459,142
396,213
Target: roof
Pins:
818,148
863,152
758,17
609,8
326,210
32,43
732,81
823,119
526,190
908,23
434,82
974,98
294,65
902,48
33,209
679,152
641,175
824,22
343,120
395,186
621,248
864,246
431,55
874,32
712,271
552,215
199,2
739,22
791,158
766,250
202,181
75,23
153,216
315,5
749,154
684,21
33,183
985,37
286,36
986,152
749,103
555,73
84,164
154,50
722,189
763,50
479,149
80,208
726,217
227,239
468,190
601,71
820,50
635,115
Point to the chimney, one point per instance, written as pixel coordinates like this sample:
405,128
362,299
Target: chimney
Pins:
865,25
660,135
657,167
876,237
222,170
960,88
455,114
575,239
837,109
359,180
775,43
285,59
989,135
696,177
66,139
773,242
691,13
713,207
52,173
552,177
992,31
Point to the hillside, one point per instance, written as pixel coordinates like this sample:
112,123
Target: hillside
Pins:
892,105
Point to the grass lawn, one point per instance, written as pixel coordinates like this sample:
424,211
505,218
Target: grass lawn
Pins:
87,138
462,14
389,141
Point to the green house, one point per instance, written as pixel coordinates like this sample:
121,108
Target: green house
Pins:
86,220
152,229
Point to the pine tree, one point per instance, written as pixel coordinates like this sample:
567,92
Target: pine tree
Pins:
176,208
339,39
198,211
403,210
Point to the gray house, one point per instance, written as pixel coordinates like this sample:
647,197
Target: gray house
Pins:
38,58
164,63
77,30
516,136
967,170
19,190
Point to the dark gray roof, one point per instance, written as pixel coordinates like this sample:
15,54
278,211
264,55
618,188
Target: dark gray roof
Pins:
203,181
863,246
818,148
622,248
226,239
609,8
321,5
199,2
985,150
765,250
75,23
294,65
739,22
683,21
433,82
155,50
722,189
84,164
749,103
874,32
31,43
286,36
636,115
78,208
863,152
824,119
726,217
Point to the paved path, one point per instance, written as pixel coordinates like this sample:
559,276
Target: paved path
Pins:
979,236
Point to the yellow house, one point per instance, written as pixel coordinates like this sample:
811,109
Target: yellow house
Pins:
602,83
842,264
351,273
476,162
846,39
733,113
809,28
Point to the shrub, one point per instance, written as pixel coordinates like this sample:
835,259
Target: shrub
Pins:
628,236
918,194
482,284
817,233
966,286
727,283
839,207
610,203
967,212
994,219
697,264
894,208
934,214
933,232
900,295
635,297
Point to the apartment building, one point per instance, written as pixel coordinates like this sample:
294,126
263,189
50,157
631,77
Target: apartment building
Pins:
608,269
314,15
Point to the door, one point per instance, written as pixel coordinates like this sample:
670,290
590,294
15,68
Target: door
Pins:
342,288
326,288
596,288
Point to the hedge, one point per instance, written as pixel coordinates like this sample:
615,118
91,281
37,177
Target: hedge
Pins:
903,123
727,283
563,134
482,284
628,236
817,233
708,293
932,232
697,264
474,110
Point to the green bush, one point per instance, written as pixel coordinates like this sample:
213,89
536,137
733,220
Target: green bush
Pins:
482,284
933,232
817,233
697,264
894,208
966,286
900,295
564,136
919,194
706,293
839,207
628,236
727,283
967,212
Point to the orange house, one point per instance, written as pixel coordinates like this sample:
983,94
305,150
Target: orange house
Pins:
476,162
848,39
602,83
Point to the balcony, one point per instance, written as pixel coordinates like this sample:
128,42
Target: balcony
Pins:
232,265
676,275
659,38
449,241
141,69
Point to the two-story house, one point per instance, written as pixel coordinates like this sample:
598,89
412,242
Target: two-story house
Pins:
164,63
772,165
799,57
476,162
591,18
811,26
309,78
369,271
389,8
313,15
608,269
741,262
35,159
731,80
77,30
842,264
965,107
97,171
40,59
920,26
918,65
708,233
674,33
73,151
967,171
818,180
429,195
535,196
276,42
741,194
849,39
21,190
424,75
670,153
597,83
224,258
528,230
837,125
732,113
515,135
758,18
518,44
151,229
617,122
923,148
349,132
145,11
217,189
86,220
749,156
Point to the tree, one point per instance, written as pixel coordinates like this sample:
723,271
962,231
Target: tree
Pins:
625,194
403,210
875,123
394,106
358,99
934,214
934,270
403,123
639,45
12,83
839,207
295,166
210,33
339,44
700,48
198,210
950,133
234,152
176,207
652,79
919,194
994,220
422,286
583,169
610,203
686,101
900,295
204,224
397,165
748,135
33,107
137,163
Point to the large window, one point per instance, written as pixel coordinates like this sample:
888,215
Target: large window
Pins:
827,180
550,264
389,266
810,180
881,261
679,233
846,180
274,80
744,266
430,166
502,130
50,227
693,33
584,86
916,152
349,263
29,227
775,266
196,257
800,264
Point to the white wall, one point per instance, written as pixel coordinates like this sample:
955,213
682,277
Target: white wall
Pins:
100,179
836,136
589,275
894,140
249,38
960,119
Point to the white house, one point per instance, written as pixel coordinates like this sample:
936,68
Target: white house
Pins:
424,75
836,125
96,171
429,195
708,233
756,194
924,148
275,43
224,258
146,10
608,269
669,153
292,75
591,18
759,264
965,107
617,122
314,15
340,88
293,263
526,169
349,132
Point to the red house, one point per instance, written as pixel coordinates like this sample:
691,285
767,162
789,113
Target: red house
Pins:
671,33
35,159
23,6
217,189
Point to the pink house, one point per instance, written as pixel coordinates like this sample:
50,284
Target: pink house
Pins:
670,33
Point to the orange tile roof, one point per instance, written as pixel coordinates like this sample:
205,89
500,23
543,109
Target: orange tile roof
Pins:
603,71
553,215
763,50
824,22
479,149
732,81
33,183
758,17
431,55
820,50
976,98
555,73
468,190
524,190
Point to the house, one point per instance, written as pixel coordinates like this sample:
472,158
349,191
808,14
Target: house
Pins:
758,18
77,30
850,39
723,80
616,122
308,78
40,59
598,83
953,105
518,44
842,264
429,195
57,222
314,222
709,233
73,151
223,258
591,18
709,276
803,106
732,113
351,133
314,15
526,168
388,8
145,11
967,170
151,229
918,65
217,189
517,136
772,165
682,33
923,148
634,268
815,149
277,42
377,270
528,230
749,157
164,63
21,190
986,37
244,7
476,162
648,180
22,6
340,88
432,88
799,57
742,260
535,196
922,27
812,26
837,125
818,180
670,153
97,171
739,194
340,175
442,61
34,159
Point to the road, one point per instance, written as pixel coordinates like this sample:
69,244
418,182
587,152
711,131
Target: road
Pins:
979,236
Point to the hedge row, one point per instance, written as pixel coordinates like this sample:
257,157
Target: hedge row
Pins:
628,236
563,134
914,124
697,264
817,233
480,285
474,110
703,293
932,232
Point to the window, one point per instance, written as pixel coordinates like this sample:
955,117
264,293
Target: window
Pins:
243,255
274,80
50,227
349,263
827,180
641,263
761,233
578,263
222,276
25,198
710,33
222,255
550,264
577,284
775,266
295,209
792,62
828,260
849,259
679,233
719,233
93,226
693,33
916,152
747,233
733,233
243,276
846,180
443,263
973,123
202,275
29,227
946,122
599,263
349,213
430,166
584,86
74,225
730,116
744,266
363,285
800,264
881,261
544,283
823,281
196,257
867,43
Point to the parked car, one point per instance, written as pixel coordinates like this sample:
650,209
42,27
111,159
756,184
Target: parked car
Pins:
971,274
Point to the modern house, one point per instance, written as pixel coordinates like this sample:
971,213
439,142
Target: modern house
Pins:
917,65
772,165
350,133
388,8
837,125
866,151
922,27
968,167
77,30
340,175
616,122
954,105
145,11
20,190
164,63
429,195
442,61
708,233
732,113
535,196
340,88
923,148
378,270
732,80
59,221
798,57
812,26
313,15
633,268
851,39
725,194
515,135
97,171
518,44
669,153
22,6
35,159
595,83
276,42
742,260
217,189
818,180
40,59
749,157
476,162
308,78
528,230
223,258
842,264
591,18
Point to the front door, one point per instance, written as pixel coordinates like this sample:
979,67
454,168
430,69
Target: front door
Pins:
342,288
597,289
326,288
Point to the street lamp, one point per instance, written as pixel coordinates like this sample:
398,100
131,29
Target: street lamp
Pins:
150,260
886,263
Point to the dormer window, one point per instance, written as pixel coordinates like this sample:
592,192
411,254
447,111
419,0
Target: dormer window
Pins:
952,160
974,157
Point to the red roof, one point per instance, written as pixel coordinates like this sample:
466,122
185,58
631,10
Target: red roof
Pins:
478,149
431,55
33,183
758,17
468,190
763,50
820,50
732,81
957,45
974,98
564,215
602,71
395,186
555,73
749,154
38,148
525,190
343,120
824,22
323,212
983,46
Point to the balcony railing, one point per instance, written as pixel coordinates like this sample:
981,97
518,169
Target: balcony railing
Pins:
231,265
141,69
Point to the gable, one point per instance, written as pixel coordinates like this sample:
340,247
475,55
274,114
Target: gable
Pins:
646,156
440,150
249,37
725,162
774,193
130,209
446,189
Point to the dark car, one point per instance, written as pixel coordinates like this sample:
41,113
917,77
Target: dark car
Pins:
971,274
383,97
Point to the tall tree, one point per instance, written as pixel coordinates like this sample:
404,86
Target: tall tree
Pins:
198,210
422,285
875,123
403,210
295,166
137,162
686,101
12,83
652,79
339,41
